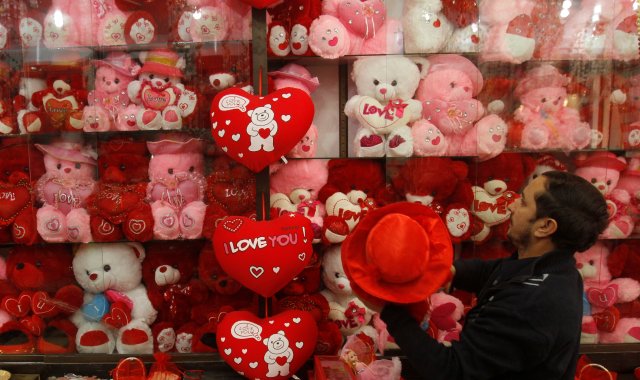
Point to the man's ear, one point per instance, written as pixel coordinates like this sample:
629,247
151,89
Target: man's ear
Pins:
545,227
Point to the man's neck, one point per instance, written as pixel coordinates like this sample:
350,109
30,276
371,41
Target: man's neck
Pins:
536,249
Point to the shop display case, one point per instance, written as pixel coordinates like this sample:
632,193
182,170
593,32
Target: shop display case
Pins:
106,137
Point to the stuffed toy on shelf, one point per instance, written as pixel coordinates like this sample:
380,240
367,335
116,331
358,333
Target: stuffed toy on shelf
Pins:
7,87
507,29
289,25
384,106
69,23
630,182
214,20
453,121
32,80
119,22
64,189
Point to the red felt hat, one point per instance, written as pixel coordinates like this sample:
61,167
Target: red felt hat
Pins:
400,253
163,62
602,160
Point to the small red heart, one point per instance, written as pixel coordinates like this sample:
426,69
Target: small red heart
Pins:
603,297
437,23
475,39
58,109
370,141
17,306
34,324
119,315
607,320
281,360
264,132
42,305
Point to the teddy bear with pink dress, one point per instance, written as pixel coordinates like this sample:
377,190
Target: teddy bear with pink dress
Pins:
354,27
110,98
545,120
453,121
162,100
63,191
177,187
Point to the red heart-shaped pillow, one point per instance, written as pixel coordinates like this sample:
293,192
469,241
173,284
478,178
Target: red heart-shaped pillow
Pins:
119,315
258,130
263,256
34,324
13,199
271,348
261,4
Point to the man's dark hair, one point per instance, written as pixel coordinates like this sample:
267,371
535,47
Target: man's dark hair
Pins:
577,207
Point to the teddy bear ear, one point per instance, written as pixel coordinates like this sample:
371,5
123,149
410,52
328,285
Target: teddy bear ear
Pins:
137,249
460,169
423,63
143,56
181,63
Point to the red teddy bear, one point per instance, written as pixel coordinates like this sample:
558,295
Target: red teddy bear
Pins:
45,297
20,166
441,184
169,273
118,205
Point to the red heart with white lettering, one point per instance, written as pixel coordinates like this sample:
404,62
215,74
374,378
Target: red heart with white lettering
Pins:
270,348
119,315
58,109
261,4
607,319
382,119
13,199
43,306
17,306
603,297
257,131
263,256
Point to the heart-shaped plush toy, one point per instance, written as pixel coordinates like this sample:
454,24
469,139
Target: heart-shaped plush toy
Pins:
18,306
13,199
95,309
271,348
364,17
605,297
263,256
261,4
257,131
492,209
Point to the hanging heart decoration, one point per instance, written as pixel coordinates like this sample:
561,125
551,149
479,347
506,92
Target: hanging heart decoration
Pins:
261,4
263,256
271,348
257,130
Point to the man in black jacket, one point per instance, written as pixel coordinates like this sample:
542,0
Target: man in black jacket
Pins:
527,321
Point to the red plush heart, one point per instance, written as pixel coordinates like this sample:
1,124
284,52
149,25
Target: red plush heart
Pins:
261,4
607,319
116,200
34,324
42,305
271,348
17,306
257,131
263,256
603,297
119,315
13,199
58,109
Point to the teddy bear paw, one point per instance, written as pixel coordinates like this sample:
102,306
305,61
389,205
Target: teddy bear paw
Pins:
458,221
535,136
51,224
191,220
95,119
400,143
139,224
618,228
149,119
126,120
369,144
94,338
104,231
171,118
491,135
166,225
79,226
428,140
632,336
334,229
29,122
135,338
581,136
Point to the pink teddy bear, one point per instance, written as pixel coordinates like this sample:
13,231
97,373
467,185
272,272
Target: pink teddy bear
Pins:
454,122
599,30
294,189
443,317
63,190
163,102
110,97
603,170
602,293
507,29
548,122
354,27
177,188
296,76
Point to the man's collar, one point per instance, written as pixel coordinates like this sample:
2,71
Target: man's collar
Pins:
553,261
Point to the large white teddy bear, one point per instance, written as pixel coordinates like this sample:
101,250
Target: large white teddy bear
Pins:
383,106
117,311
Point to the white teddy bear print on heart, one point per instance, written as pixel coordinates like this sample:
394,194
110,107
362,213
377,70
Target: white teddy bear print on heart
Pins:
262,128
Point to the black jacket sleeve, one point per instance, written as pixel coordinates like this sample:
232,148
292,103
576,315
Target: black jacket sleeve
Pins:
472,274
498,341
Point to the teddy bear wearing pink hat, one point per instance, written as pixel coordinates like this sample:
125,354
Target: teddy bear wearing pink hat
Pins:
63,190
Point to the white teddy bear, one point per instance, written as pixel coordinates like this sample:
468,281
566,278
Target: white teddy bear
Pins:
383,106
345,308
117,311
277,347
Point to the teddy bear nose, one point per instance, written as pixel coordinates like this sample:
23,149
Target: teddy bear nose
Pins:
67,170
498,189
108,83
601,187
466,89
341,286
163,269
216,82
20,266
301,196
93,277
579,265
383,91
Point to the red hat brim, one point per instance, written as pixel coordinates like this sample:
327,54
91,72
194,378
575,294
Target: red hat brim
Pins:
602,160
361,273
311,83
158,68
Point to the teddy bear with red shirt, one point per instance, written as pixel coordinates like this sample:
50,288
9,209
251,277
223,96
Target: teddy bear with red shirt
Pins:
169,273
603,170
109,98
57,107
45,297
604,293
496,186
64,189
347,27
294,189
453,121
32,80
162,99
443,185
117,207
289,25
353,188
231,190
20,166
